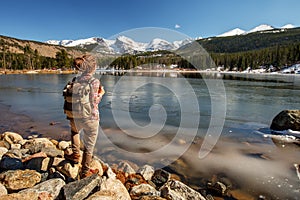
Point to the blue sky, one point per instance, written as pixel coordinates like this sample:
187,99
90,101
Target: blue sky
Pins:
43,20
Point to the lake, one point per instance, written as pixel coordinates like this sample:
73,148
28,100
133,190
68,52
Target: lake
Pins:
166,120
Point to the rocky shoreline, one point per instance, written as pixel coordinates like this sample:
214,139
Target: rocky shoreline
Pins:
35,168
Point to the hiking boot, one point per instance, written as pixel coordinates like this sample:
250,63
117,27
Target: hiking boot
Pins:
86,171
75,156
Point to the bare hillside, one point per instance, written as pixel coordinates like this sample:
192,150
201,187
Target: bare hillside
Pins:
14,45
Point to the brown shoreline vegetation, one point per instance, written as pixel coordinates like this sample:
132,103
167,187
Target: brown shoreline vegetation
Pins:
42,71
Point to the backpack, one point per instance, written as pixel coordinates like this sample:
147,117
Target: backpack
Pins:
77,99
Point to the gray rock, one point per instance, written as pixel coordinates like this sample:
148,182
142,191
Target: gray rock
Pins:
126,168
176,190
52,186
146,171
286,119
52,151
160,177
81,189
111,189
36,145
143,190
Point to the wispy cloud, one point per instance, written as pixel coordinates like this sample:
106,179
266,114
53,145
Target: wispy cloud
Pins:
177,26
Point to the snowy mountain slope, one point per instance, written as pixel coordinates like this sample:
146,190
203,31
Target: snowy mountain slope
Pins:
262,27
236,31
159,44
288,26
122,44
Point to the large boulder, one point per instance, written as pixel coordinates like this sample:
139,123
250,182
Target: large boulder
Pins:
286,119
81,189
28,196
110,189
19,179
52,187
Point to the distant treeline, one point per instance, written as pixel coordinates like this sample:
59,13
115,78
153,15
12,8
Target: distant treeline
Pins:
277,48
277,56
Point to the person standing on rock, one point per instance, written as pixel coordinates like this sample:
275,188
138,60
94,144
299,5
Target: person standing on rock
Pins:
82,96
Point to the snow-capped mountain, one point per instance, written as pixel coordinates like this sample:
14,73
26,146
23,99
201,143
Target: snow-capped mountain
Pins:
236,31
122,44
288,26
262,27
158,43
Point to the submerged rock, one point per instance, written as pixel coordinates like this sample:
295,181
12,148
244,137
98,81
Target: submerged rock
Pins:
286,119
218,187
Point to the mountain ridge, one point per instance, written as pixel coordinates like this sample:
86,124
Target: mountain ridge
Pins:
123,44
261,27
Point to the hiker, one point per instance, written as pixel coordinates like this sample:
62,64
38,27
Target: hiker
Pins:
82,96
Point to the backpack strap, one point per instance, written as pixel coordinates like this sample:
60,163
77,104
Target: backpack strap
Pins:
91,91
